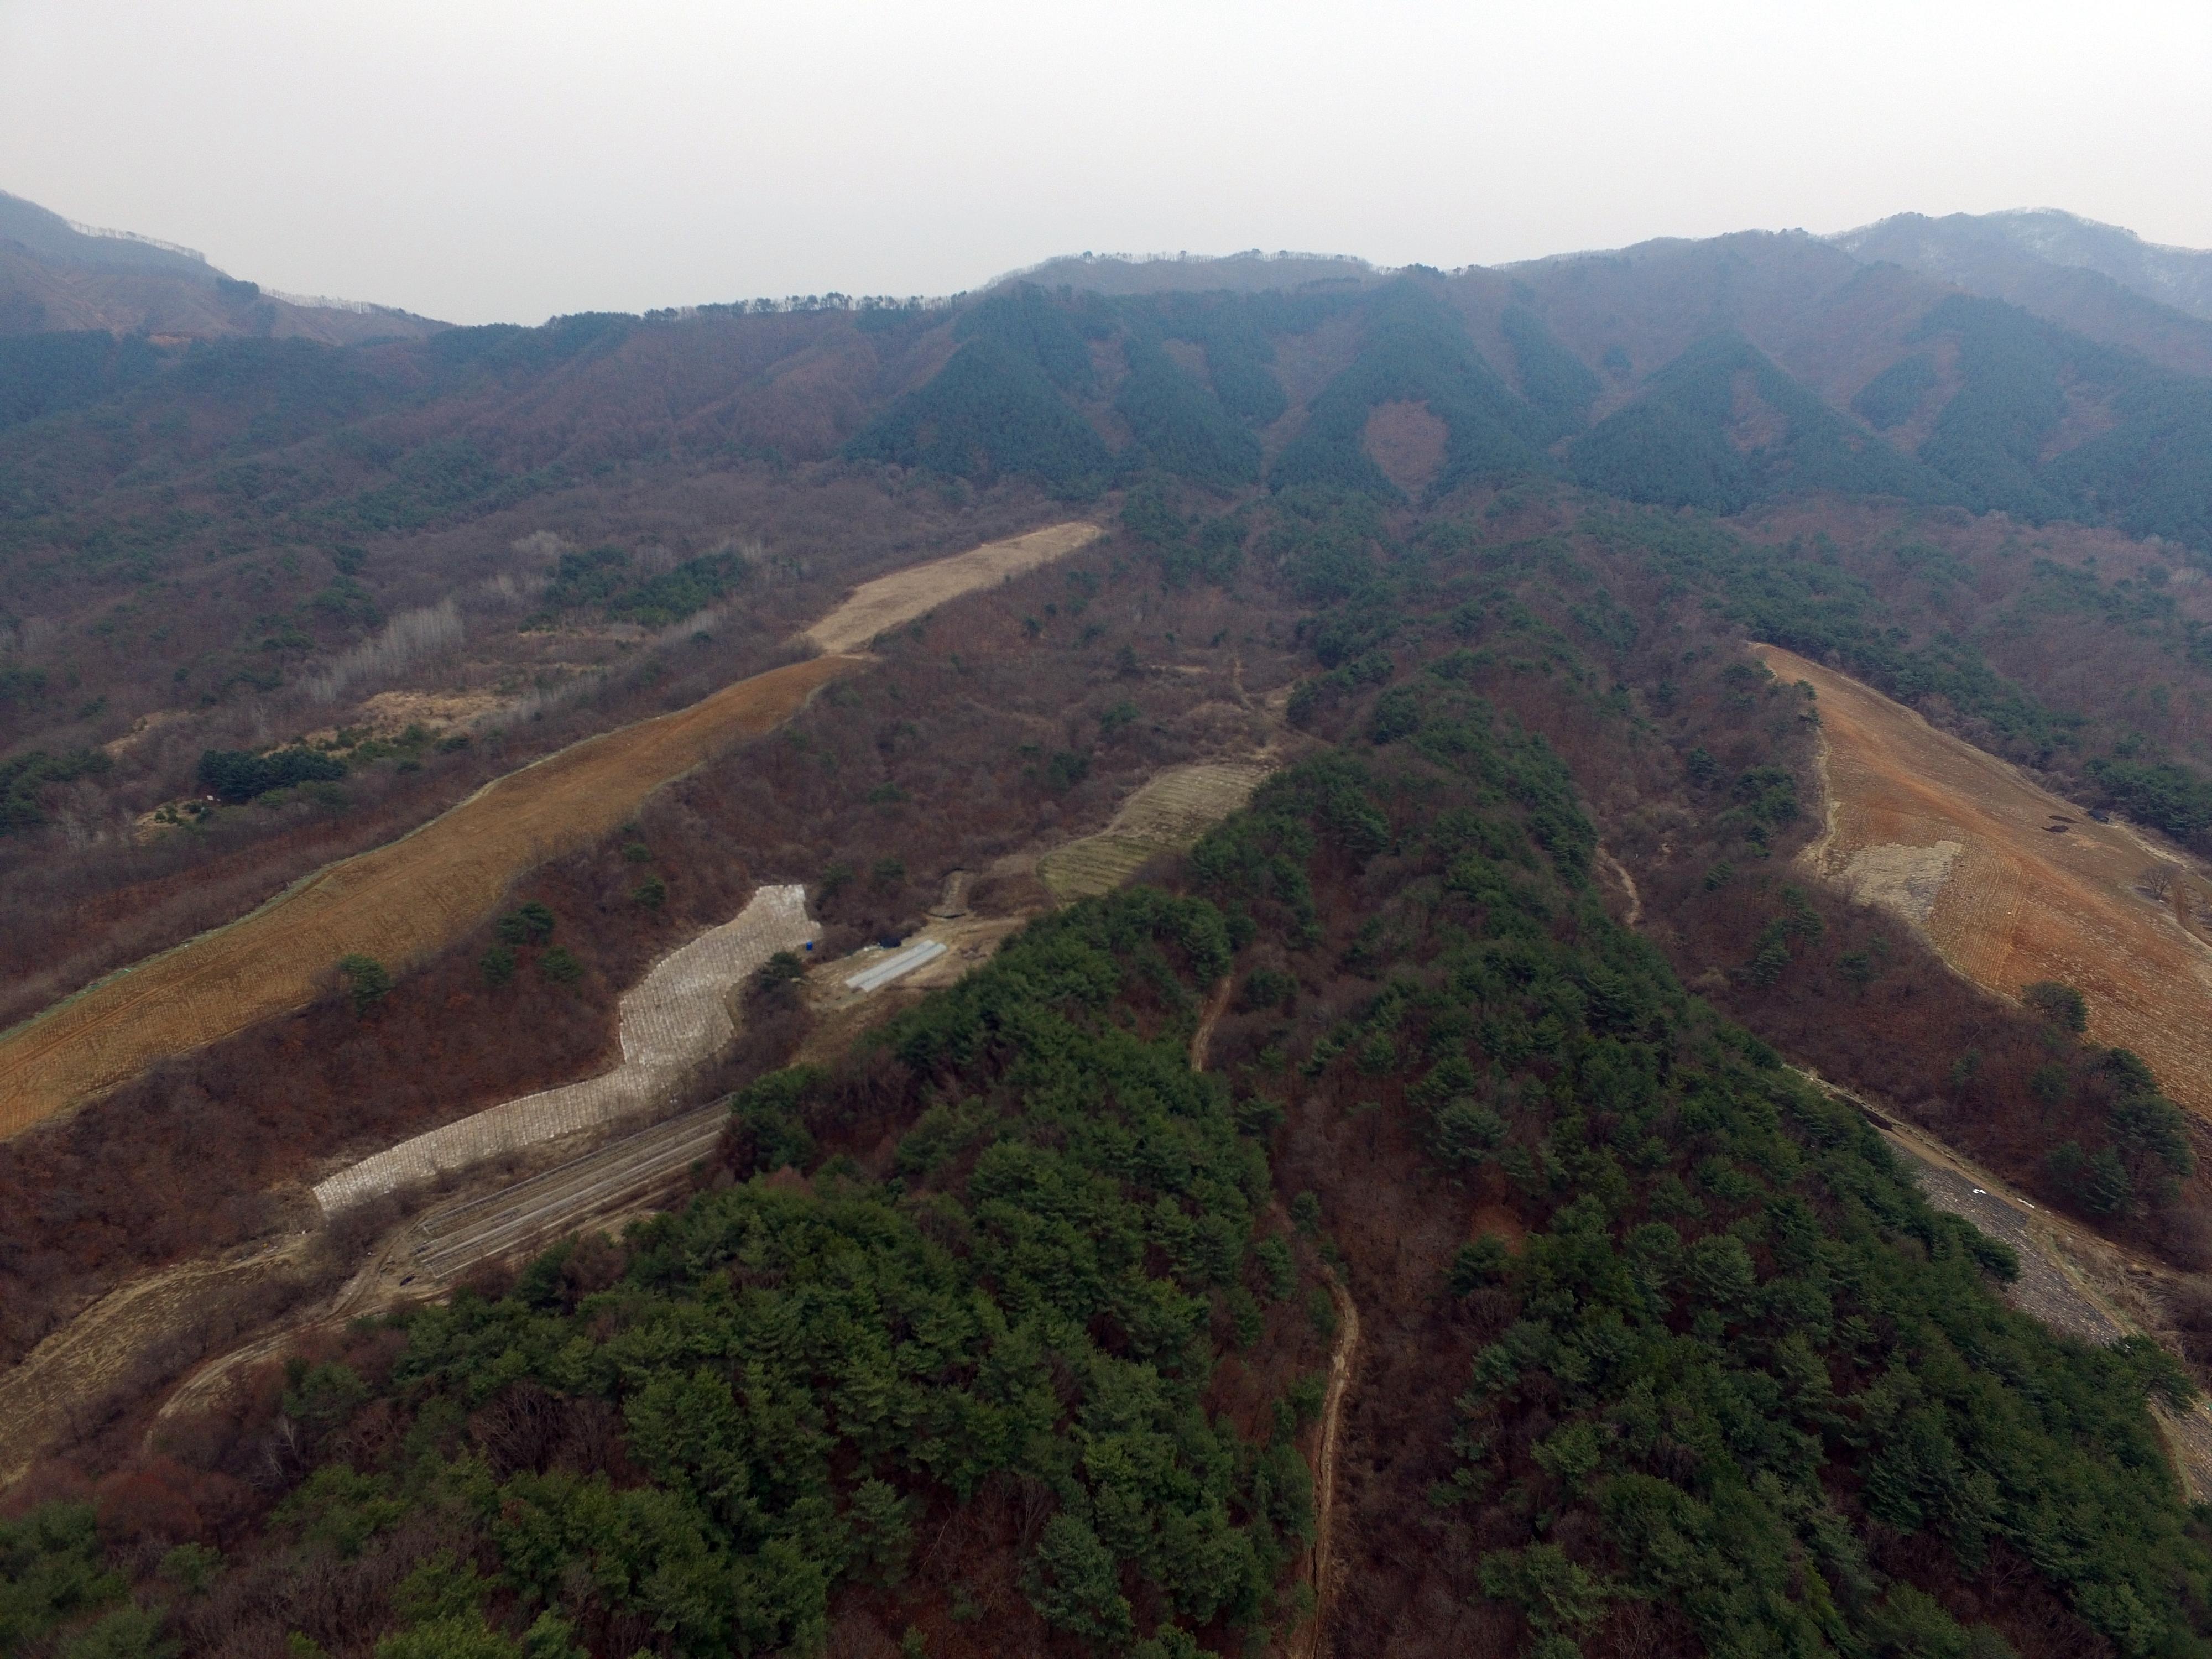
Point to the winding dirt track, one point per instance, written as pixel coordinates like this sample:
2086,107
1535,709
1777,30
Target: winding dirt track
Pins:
2010,883
1341,1365
1308,1641
399,901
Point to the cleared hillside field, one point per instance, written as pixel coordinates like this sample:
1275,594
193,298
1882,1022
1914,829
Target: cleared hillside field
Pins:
888,601
1167,814
2010,883
403,900
395,903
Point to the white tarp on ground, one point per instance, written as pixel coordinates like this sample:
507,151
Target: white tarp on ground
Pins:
896,965
673,1020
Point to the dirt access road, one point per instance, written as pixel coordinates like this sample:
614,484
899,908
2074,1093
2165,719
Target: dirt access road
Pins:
2071,1280
400,902
2010,883
1310,1640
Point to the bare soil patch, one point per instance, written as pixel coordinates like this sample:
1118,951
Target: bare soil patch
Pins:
1408,443
402,901
1960,844
390,712
681,1015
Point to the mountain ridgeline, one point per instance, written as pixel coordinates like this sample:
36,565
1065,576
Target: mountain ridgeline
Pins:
1722,426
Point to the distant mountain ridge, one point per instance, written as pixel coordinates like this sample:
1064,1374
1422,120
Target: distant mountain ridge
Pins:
1987,252
56,276
51,237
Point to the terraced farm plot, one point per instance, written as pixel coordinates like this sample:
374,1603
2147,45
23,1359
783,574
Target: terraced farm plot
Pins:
402,900
2011,883
1166,815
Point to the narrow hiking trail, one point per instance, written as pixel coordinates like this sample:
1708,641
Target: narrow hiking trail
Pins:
1308,1641
399,901
1634,914
1209,1016
1341,1365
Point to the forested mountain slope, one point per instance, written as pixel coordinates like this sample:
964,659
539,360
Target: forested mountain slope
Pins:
1004,1328
2073,270
56,279
1667,1357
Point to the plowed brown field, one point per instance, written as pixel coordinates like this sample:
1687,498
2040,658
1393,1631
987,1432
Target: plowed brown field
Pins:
1964,847
415,895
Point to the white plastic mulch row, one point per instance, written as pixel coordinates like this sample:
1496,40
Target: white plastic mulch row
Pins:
894,966
673,1020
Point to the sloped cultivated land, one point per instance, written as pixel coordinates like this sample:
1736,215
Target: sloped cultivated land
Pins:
2011,884
674,1020
396,903
1732,1387
419,894
1166,815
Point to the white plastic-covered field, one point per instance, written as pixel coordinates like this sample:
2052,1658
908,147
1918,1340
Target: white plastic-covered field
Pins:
673,1021
896,964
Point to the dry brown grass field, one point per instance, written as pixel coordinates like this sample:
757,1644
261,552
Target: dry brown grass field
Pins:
402,900
904,595
395,903
2010,883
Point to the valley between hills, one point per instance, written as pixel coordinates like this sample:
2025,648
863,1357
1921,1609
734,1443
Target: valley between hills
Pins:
1254,956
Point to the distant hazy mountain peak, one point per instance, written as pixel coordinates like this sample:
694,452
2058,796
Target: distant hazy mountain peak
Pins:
47,235
57,276
1248,272
1993,252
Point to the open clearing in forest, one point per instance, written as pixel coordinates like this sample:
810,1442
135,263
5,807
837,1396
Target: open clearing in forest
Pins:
400,902
878,607
2010,883
1166,815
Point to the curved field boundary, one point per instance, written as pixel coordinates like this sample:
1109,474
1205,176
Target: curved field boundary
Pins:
58,1387
396,903
1166,815
2010,883
882,605
402,900
673,1020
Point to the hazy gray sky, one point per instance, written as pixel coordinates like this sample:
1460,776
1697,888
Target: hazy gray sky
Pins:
488,159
